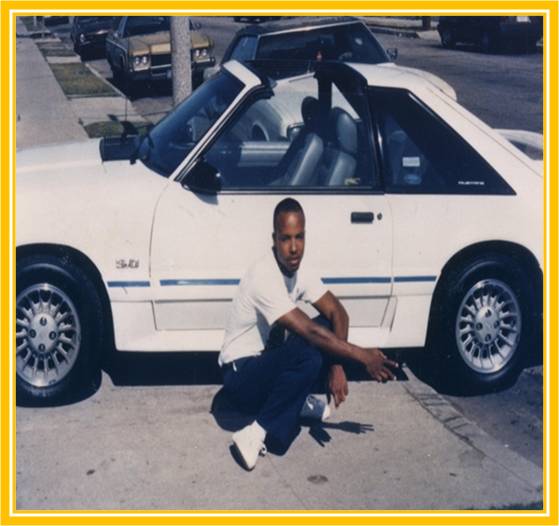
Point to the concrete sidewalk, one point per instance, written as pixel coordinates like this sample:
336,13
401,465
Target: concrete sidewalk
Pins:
397,446
53,118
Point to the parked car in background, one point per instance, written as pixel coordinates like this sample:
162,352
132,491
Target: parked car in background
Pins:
139,49
423,220
491,33
55,20
302,40
292,46
254,19
88,33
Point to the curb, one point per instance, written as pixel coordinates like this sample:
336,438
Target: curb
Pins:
443,411
118,93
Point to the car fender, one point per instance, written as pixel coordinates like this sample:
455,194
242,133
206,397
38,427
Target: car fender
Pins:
104,211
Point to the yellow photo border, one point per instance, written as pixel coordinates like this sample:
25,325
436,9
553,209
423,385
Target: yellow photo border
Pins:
9,515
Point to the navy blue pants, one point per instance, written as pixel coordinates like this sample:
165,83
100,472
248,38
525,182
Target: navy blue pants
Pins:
275,384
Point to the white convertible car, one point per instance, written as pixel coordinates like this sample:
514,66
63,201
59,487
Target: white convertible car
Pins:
424,221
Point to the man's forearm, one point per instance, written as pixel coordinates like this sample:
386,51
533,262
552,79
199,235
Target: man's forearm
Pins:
340,324
333,343
340,327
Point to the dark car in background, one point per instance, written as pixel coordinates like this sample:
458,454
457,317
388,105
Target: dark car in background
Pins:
139,50
88,33
294,44
254,19
55,20
491,33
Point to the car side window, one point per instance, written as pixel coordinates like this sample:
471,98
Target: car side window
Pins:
293,138
244,49
423,155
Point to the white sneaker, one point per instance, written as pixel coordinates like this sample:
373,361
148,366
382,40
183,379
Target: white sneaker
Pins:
248,444
315,408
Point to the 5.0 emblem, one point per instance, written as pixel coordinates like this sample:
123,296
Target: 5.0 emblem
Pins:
130,263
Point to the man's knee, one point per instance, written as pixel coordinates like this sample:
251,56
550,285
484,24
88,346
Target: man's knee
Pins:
302,355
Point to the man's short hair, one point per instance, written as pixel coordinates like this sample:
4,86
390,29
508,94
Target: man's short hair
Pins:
287,205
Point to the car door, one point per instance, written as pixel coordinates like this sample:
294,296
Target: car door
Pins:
203,244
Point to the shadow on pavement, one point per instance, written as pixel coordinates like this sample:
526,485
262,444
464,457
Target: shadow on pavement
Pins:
167,369
170,368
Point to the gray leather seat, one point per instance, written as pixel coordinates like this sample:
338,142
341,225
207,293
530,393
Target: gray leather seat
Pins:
299,165
339,163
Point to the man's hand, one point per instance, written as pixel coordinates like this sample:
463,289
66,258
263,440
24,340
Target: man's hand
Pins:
377,365
337,384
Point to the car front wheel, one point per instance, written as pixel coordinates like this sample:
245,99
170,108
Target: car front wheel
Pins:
58,331
486,324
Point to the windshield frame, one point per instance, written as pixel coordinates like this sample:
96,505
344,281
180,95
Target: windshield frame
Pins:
249,82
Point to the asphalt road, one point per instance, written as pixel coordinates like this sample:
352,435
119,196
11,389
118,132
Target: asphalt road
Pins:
504,90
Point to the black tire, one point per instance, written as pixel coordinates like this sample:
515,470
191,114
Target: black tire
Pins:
504,277
488,41
78,318
447,38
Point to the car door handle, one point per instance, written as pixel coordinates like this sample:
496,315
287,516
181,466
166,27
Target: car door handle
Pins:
362,217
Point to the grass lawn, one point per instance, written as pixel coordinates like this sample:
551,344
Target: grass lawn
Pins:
54,49
77,81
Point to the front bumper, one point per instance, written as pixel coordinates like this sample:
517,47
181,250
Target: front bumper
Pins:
93,41
164,72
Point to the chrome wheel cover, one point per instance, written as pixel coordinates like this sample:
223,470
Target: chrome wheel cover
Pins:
488,326
48,335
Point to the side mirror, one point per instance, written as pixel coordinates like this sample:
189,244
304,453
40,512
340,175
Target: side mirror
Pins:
203,178
392,53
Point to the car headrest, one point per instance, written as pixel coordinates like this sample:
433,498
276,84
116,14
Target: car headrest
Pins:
345,129
310,110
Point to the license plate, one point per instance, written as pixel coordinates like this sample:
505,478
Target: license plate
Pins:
523,19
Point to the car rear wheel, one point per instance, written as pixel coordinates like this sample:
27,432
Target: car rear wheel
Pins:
58,331
485,324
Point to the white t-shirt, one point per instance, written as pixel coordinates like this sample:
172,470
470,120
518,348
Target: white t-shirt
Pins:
264,296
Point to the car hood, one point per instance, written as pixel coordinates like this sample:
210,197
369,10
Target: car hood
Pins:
80,157
161,42
444,86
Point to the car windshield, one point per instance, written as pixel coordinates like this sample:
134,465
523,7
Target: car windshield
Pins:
142,25
170,141
347,42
